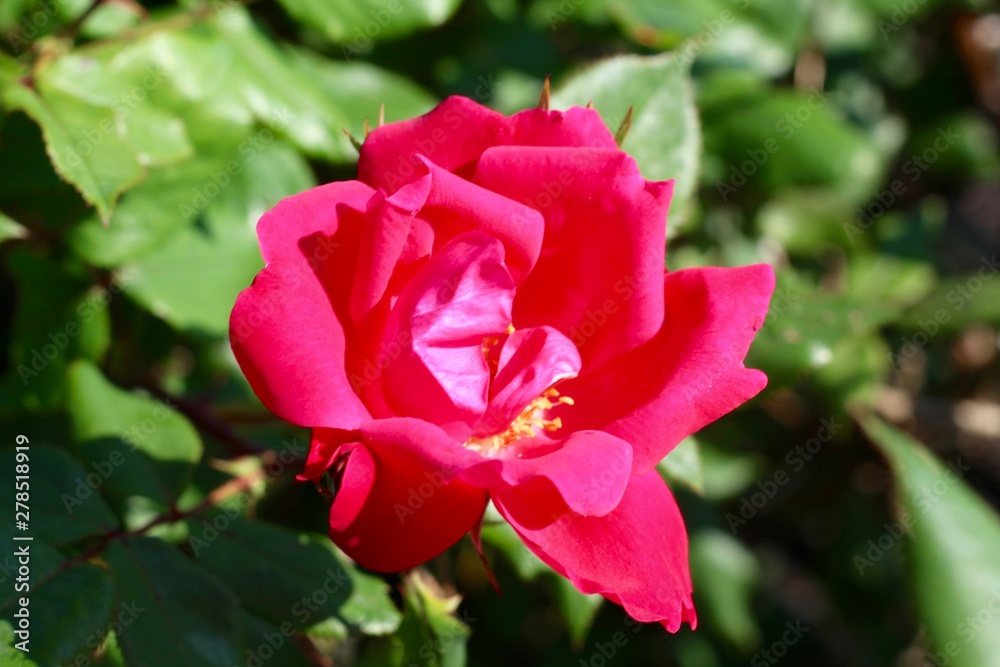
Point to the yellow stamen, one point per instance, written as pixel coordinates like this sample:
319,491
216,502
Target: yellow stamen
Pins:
492,360
526,425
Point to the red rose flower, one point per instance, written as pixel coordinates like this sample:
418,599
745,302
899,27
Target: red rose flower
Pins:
485,314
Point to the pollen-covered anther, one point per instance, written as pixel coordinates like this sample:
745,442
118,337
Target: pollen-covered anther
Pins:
526,425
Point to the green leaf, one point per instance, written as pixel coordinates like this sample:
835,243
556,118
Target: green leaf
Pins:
81,141
361,89
764,36
882,278
761,140
683,466
171,281
10,229
726,473
578,610
499,534
60,315
146,218
110,653
431,633
953,537
357,24
280,87
805,222
959,301
726,575
273,570
829,340
138,446
665,137
370,609
278,644
187,617
69,614
9,655
64,508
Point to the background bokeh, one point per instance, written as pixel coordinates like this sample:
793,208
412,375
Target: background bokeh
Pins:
850,143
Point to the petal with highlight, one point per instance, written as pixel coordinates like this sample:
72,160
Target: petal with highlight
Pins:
636,556
690,374
599,277
287,329
456,132
462,295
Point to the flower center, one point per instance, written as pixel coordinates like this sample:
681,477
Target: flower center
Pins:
526,425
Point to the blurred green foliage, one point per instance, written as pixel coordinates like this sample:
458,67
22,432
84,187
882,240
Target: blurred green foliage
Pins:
851,143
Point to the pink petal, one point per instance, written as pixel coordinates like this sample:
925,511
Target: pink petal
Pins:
394,241
691,374
456,132
598,278
426,214
460,296
286,329
586,474
636,556
531,361
394,509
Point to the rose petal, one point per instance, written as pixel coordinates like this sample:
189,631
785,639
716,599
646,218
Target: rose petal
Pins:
456,132
286,328
424,216
598,278
394,242
636,556
460,296
691,374
394,509
585,474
